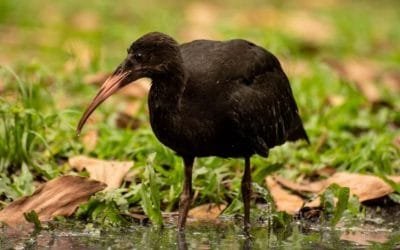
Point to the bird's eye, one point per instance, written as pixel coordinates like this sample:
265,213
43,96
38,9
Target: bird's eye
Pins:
138,56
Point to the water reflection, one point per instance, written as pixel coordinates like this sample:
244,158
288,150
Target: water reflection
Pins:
182,244
225,235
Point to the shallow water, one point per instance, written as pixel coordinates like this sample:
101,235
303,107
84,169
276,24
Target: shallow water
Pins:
225,234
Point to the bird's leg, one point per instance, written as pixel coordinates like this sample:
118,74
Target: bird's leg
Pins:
186,195
246,193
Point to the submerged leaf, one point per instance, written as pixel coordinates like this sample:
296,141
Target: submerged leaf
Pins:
58,197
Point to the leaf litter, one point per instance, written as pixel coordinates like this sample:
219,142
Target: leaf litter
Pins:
365,187
367,76
112,173
284,200
58,197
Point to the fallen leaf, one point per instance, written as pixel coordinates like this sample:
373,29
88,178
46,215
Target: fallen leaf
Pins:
96,79
315,203
296,67
209,211
363,73
266,17
200,18
86,20
284,200
58,197
365,187
326,171
309,28
110,172
313,187
89,140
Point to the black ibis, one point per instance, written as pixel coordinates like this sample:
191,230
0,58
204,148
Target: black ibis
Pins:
210,98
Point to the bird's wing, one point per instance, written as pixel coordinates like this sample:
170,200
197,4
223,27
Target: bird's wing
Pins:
265,111
244,87
215,62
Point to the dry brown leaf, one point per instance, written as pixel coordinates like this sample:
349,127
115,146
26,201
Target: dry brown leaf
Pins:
363,73
315,203
96,79
209,211
284,201
110,172
89,140
201,18
313,187
86,20
310,29
325,171
138,89
296,67
365,187
58,197
267,17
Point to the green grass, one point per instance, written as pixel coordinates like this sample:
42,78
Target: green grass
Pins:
46,53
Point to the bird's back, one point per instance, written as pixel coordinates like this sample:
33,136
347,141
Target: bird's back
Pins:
239,98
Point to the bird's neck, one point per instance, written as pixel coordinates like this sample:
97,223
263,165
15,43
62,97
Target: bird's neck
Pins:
165,98
166,92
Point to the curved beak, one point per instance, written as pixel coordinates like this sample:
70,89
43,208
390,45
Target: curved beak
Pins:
116,81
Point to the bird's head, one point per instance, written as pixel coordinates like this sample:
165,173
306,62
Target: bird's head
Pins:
152,55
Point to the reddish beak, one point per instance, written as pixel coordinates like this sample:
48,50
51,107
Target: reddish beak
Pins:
109,87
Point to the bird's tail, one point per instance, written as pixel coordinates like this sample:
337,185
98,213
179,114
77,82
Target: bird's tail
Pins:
299,134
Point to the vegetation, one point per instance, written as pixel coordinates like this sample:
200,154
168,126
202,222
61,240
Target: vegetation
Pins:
50,48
